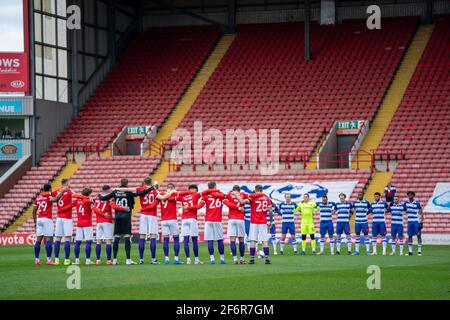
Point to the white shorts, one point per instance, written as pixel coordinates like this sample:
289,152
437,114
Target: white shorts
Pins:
258,232
63,227
170,227
236,228
189,227
44,227
213,231
84,233
105,231
148,225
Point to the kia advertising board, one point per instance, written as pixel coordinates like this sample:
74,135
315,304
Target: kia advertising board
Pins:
14,64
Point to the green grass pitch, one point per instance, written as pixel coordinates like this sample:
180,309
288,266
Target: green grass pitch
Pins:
289,277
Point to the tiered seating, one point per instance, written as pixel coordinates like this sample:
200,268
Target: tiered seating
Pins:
96,172
264,82
421,125
142,89
182,179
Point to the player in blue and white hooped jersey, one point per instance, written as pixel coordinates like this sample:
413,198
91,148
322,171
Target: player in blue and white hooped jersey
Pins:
378,209
344,210
361,208
286,211
273,229
326,223
247,224
397,210
415,222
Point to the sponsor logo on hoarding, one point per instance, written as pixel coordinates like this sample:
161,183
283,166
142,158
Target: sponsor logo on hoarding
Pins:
17,84
10,106
17,239
9,65
9,149
14,71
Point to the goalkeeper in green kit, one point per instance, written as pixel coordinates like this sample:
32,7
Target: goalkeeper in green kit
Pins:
306,208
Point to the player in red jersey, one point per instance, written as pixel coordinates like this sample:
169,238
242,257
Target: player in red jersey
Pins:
105,228
64,223
212,199
43,221
148,224
190,201
169,222
260,205
236,224
83,206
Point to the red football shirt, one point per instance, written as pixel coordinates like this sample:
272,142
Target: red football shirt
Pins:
148,202
44,206
64,204
189,200
259,205
84,212
234,213
168,208
101,208
213,203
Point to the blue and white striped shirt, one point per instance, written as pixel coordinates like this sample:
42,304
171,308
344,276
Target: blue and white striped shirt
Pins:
378,209
362,208
286,210
344,211
326,211
275,210
247,212
412,209
397,213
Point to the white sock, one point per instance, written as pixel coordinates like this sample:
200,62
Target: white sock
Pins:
211,257
196,259
349,244
166,258
322,244
222,257
294,244
338,244
176,257
282,246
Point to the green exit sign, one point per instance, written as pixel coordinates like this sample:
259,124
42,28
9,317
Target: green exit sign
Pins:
348,125
137,130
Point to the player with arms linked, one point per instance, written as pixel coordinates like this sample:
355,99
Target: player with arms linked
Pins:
260,205
122,227
42,216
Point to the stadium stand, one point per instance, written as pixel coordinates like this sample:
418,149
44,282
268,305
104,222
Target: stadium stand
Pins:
262,82
420,128
142,89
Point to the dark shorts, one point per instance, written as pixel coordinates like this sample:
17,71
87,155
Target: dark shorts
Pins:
362,227
122,225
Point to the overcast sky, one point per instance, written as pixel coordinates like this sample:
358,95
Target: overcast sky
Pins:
11,26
